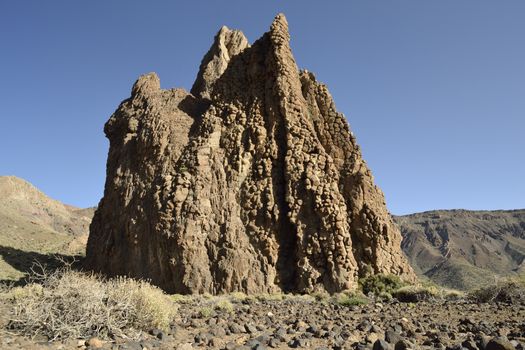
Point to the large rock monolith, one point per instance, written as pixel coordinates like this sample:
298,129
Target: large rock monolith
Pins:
252,183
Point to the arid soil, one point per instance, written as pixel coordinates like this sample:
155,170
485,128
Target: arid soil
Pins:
303,322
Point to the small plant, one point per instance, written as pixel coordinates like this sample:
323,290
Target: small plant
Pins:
349,299
321,297
180,299
20,293
224,305
507,290
206,312
305,298
414,294
385,296
452,294
380,283
206,296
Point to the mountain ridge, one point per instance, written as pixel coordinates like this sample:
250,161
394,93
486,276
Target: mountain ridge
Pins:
460,248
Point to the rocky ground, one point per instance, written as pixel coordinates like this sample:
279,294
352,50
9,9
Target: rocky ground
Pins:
306,323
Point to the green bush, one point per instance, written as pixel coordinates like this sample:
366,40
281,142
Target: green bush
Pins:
380,283
349,299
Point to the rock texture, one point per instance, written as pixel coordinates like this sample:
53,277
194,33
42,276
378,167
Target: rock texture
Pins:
464,249
253,182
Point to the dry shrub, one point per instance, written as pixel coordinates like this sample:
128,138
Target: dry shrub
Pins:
452,294
180,298
508,290
385,296
68,303
350,298
321,296
414,294
224,305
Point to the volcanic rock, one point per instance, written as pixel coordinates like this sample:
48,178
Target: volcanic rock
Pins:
252,183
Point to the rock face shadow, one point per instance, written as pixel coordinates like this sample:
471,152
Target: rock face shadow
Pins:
29,261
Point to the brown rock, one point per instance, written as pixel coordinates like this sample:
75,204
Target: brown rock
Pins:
94,343
227,44
252,183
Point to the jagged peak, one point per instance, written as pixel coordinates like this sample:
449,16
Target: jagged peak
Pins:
224,29
226,44
279,30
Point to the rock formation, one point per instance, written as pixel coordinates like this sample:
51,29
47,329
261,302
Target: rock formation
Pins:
252,183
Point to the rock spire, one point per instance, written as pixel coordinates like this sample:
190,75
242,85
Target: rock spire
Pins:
252,183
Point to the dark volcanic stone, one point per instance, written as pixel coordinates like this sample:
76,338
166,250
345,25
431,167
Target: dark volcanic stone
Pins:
273,343
380,344
235,328
392,336
470,345
499,343
403,345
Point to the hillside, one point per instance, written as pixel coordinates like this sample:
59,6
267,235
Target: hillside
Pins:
32,226
464,249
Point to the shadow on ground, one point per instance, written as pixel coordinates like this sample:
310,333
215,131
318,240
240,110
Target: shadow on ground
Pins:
27,262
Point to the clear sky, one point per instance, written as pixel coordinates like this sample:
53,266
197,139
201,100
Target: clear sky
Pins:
434,90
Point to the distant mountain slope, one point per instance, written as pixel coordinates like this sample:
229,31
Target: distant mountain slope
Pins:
463,249
32,223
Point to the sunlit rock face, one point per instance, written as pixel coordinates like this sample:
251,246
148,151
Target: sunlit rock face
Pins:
251,183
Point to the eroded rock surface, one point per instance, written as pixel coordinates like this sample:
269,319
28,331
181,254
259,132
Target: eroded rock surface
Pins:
253,182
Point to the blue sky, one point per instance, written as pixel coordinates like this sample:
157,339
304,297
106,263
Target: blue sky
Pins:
433,90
